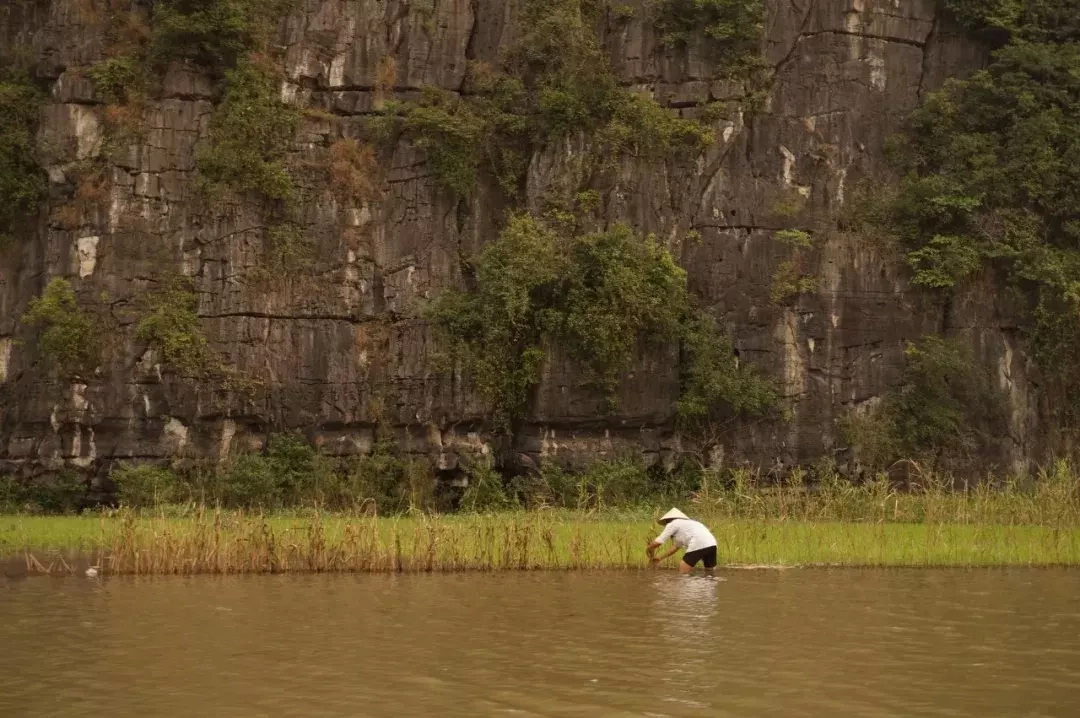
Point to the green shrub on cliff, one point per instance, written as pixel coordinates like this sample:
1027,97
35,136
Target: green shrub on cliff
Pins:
289,473
249,137
991,173
553,81
788,282
486,490
214,33
68,339
615,289
63,492
595,295
251,127
118,79
1026,20
992,181
454,134
22,180
497,327
945,407
382,482
11,494
246,481
714,381
170,324
985,14
732,27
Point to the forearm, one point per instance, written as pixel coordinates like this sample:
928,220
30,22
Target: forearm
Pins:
650,549
674,550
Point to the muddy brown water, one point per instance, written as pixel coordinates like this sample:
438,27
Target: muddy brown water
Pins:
760,643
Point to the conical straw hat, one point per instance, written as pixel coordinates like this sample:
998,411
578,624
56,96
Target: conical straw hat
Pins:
671,515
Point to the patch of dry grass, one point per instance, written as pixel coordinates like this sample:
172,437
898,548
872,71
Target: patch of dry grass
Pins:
223,542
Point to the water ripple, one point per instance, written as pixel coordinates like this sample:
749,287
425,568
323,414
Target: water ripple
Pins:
818,643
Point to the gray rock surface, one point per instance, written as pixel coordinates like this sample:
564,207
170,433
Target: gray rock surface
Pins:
342,347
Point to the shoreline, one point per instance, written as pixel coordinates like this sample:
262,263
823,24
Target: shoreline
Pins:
22,566
224,542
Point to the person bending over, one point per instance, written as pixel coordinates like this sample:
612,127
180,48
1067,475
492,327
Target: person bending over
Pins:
684,533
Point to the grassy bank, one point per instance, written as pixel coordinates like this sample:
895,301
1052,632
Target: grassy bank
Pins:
831,522
234,542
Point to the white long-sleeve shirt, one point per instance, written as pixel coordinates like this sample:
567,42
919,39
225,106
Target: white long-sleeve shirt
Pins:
687,534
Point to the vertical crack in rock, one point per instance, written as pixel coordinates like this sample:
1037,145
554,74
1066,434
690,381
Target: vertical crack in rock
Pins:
342,347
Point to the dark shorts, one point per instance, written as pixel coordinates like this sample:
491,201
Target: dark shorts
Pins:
706,555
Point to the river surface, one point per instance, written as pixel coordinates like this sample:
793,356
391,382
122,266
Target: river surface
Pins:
759,643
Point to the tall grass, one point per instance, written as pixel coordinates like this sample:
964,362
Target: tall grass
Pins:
1051,498
220,541
831,521
228,542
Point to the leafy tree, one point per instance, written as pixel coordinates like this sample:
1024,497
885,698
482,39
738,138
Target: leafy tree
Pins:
992,176
68,338
597,295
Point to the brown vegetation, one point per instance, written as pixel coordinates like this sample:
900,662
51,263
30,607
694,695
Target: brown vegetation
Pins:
353,169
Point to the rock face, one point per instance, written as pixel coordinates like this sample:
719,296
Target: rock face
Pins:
343,347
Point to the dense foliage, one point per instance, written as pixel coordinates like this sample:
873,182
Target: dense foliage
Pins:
118,79
63,493
145,485
714,381
290,473
170,324
1038,21
553,81
992,175
249,136
251,127
946,409
215,33
68,338
732,27
596,295
22,181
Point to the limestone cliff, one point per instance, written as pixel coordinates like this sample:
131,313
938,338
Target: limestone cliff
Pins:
341,346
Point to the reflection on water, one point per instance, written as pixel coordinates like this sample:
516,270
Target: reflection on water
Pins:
817,643
695,597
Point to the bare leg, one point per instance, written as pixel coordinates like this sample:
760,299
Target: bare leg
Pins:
684,567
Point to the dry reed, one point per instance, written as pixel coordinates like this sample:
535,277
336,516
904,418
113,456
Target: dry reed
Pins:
1034,523
224,542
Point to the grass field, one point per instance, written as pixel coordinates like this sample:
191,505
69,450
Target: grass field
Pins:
837,523
209,541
